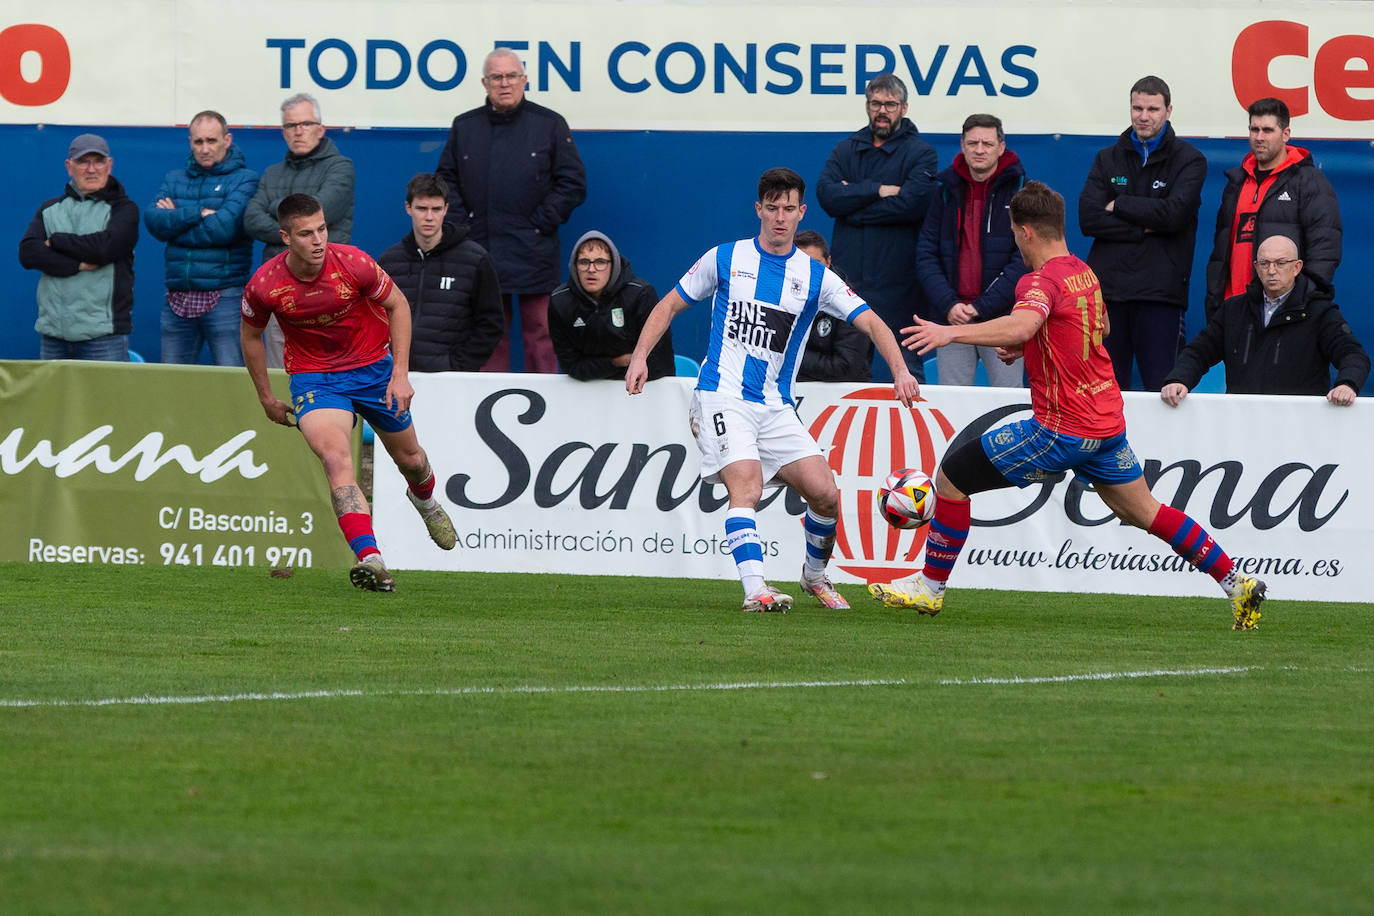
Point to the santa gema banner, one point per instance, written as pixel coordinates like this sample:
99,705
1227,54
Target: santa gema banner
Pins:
546,474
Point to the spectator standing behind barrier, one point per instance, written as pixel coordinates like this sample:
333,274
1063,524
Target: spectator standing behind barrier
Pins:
313,165
83,243
836,351
198,212
1281,336
1276,190
877,185
1139,206
967,258
595,318
450,281
514,175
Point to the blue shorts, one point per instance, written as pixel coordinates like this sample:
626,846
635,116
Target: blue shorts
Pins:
361,391
1027,453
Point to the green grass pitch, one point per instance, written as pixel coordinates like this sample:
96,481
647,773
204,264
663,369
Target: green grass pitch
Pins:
548,744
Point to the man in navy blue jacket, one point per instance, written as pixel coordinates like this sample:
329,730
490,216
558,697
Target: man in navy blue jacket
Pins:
1139,206
514,176
198,212
877,185
967,258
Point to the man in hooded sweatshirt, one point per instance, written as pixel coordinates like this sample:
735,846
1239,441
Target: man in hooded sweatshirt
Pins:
450,281
595,318
1276,190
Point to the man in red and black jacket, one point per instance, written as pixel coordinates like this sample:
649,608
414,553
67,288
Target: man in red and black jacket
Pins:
1277,190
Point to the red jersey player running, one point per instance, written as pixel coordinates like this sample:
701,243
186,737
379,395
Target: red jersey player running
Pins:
1058,322
341,314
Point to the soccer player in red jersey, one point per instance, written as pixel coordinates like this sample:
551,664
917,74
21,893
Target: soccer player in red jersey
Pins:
347,330
1057,323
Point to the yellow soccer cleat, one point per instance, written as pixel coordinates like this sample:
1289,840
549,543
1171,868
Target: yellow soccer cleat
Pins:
371,575
911,592
1246,601
437,522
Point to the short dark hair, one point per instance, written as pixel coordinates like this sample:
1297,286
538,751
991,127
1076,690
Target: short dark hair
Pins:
886,82
983,120
1152,85
426,184
1269,106
777,182
810,238
207,113
296,205
1041,207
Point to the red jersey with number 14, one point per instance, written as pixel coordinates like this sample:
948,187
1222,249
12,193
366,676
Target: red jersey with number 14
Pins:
331,323
1073,387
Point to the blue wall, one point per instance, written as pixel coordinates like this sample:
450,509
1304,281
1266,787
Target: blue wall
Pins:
664,197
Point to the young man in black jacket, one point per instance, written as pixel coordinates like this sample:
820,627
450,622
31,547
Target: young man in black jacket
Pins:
1139,206
455,298
595,318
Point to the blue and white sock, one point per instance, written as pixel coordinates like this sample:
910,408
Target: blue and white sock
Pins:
742,537
820,543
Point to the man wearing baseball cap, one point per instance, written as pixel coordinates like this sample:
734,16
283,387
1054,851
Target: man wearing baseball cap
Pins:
82,243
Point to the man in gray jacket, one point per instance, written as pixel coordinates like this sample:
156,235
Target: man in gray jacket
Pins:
313,165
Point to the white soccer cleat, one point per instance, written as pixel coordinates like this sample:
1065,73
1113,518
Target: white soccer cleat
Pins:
768,601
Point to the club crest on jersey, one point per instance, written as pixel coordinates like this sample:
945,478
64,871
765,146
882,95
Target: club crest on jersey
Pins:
796,286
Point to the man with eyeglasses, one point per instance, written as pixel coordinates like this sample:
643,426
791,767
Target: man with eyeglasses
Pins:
595,318
313,165
877,185
515,176
1276,190
1139,205
449,281
82,243
1281,336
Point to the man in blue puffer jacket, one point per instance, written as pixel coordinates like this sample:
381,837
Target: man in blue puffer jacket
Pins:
198,212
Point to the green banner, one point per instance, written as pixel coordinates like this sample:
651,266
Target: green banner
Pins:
159,465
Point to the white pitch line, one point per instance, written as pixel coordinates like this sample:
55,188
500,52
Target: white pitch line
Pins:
439,692
1095,676
197,700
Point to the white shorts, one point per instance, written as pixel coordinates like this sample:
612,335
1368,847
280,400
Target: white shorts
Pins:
728,429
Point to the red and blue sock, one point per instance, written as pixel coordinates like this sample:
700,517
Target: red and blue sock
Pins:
357,530
948,532
1192,542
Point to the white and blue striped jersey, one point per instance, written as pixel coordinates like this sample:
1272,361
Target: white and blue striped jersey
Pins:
762,307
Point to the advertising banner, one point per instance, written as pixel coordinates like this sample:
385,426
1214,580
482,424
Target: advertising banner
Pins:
155,465
544,474
748,65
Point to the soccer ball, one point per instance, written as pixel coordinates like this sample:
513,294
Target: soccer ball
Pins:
907,498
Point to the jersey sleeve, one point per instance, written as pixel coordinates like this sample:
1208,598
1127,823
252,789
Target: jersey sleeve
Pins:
1035,291
701,280
372,280
838,299
254,308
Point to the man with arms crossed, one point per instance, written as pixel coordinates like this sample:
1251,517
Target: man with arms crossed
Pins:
340,314
764,295
1058,321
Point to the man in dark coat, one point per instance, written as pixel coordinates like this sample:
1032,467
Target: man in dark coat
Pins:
1281,336
836,351
877,185
514,176
967,258
450,282
1276,190
595,318
1139,206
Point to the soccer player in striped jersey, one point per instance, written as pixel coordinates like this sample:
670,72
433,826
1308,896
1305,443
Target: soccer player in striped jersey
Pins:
347,330
764,294
1058,322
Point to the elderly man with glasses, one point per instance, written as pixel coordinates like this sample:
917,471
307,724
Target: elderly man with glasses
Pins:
877,184
1281,336
313,165
515,176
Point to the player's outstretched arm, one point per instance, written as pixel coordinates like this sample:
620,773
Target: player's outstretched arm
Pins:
1007,331
255,360
904,384
637,373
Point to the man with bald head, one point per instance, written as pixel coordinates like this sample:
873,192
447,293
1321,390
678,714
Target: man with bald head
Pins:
515,176
1281,336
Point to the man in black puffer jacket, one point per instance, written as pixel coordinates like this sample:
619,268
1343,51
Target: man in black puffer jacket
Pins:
455,298
1281,336
1139,206
595,318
